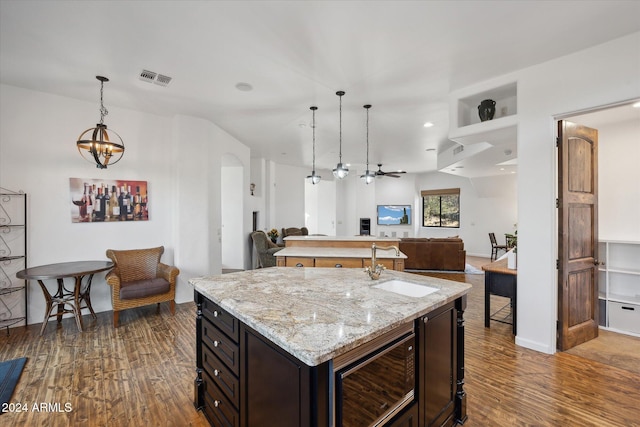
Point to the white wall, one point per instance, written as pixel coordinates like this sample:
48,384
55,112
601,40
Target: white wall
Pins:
619,181
179,158
38,155
598,76
482,210
289,208
232,207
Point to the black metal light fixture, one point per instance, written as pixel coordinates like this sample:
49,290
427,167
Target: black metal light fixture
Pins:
95,145
368,176
340,171
314,178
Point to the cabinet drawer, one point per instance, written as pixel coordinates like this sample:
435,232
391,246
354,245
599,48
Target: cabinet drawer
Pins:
221,345
217,407
625,317
221,319
226,381
339,262
299,262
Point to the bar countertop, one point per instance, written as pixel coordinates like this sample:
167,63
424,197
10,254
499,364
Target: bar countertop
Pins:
316,314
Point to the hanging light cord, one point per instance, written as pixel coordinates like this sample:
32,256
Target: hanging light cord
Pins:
367,139
103,110
313,124
340,129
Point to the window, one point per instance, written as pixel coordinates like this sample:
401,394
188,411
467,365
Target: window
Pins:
441,208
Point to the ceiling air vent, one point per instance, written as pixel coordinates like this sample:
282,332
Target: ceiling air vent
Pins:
147,76
458,149
162,80
151,77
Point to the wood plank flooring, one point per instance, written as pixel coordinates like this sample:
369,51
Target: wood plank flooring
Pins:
142,373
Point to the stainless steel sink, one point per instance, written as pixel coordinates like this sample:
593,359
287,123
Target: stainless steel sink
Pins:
406,288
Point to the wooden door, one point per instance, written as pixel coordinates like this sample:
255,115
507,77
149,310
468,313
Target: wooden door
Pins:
577,234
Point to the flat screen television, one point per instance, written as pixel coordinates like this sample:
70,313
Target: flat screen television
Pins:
394,214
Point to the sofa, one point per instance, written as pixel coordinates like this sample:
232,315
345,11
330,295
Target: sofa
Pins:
433,254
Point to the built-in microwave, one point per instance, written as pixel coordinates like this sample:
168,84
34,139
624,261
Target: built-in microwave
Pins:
374,382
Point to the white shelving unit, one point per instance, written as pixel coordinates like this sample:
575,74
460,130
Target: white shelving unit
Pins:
619,286
466,127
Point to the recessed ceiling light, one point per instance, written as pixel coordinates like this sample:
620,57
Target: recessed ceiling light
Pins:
428,124
244,87
636,105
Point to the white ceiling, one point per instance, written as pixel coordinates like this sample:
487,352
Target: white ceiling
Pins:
404,58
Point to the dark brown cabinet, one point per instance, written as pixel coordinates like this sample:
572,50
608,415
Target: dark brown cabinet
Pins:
245,380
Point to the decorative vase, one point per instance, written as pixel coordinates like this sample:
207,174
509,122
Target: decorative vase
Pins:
487,109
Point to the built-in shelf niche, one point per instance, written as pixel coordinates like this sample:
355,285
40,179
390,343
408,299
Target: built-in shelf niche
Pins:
506,104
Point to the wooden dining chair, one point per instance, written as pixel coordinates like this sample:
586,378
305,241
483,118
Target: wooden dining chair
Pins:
495,247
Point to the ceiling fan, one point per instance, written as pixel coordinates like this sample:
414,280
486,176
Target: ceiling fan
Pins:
394,174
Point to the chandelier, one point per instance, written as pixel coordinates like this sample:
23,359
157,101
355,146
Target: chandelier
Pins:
94,143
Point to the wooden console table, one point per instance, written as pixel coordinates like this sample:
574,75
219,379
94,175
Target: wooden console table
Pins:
502,281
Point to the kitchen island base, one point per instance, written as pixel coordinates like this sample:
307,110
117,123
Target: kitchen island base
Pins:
243,379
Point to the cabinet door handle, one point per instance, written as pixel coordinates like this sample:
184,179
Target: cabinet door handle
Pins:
216,343
216,403
299,265
215,313
216,373
338,265
627,308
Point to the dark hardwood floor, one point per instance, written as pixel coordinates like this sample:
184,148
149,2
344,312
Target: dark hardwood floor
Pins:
142,373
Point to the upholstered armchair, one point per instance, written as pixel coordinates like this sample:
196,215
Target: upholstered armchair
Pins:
139,278
294,231
265,249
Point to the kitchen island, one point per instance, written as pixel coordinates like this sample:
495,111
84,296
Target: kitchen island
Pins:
269,342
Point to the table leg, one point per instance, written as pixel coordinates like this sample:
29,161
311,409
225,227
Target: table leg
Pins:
77,312
60,295
85,295
487,299
49,306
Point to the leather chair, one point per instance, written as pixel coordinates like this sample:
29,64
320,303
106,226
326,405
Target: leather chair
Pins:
139,278
294,231
265,249
495,247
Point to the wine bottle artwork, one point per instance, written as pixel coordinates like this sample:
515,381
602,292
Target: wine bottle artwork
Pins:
104,201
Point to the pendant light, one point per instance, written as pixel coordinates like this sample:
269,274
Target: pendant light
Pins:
368,176
314,178
340,171
94,143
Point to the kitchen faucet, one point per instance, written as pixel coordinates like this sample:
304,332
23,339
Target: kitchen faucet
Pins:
376,270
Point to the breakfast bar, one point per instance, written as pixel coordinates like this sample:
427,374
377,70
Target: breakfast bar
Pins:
309,333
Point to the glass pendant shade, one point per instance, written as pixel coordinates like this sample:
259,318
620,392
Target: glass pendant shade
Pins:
313,177
368,177
341,171
95,144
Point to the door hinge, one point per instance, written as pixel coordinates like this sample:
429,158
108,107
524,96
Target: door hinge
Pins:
557,264
557,141
557,203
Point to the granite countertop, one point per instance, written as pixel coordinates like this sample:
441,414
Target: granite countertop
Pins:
330,252
316,314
